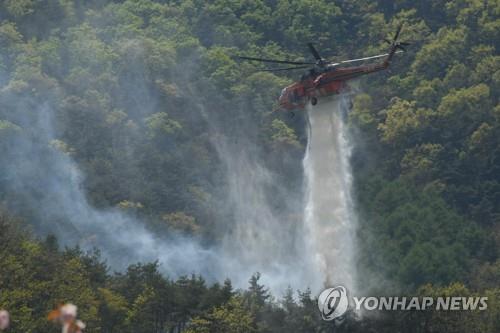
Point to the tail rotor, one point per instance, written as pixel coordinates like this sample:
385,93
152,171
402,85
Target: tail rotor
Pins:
395,43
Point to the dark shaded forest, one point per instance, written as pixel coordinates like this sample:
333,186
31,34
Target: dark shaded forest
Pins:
134,90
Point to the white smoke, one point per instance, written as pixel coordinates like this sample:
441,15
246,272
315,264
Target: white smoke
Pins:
50,184
261,239
330,220
258,239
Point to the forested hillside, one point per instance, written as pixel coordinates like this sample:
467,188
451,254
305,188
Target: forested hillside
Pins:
136,94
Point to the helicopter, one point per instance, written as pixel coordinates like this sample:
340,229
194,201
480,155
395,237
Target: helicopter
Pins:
324,77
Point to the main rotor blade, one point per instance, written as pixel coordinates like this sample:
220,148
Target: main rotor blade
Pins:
314,51
367,58
398,31
277,61
282,69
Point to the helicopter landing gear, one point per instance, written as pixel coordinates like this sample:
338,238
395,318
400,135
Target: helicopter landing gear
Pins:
314,100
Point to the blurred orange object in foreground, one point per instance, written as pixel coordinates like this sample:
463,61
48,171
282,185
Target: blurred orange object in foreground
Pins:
66,316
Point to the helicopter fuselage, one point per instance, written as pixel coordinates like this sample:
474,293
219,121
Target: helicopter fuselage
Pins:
322,82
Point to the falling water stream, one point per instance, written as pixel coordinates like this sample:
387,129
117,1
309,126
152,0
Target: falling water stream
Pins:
329,215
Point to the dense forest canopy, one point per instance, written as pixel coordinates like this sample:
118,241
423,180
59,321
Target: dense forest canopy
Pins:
134,94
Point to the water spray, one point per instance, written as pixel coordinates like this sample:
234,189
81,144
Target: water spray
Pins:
329,216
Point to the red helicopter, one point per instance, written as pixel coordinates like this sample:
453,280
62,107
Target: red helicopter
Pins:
327,78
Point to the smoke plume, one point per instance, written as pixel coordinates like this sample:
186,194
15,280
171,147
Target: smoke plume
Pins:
48,187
